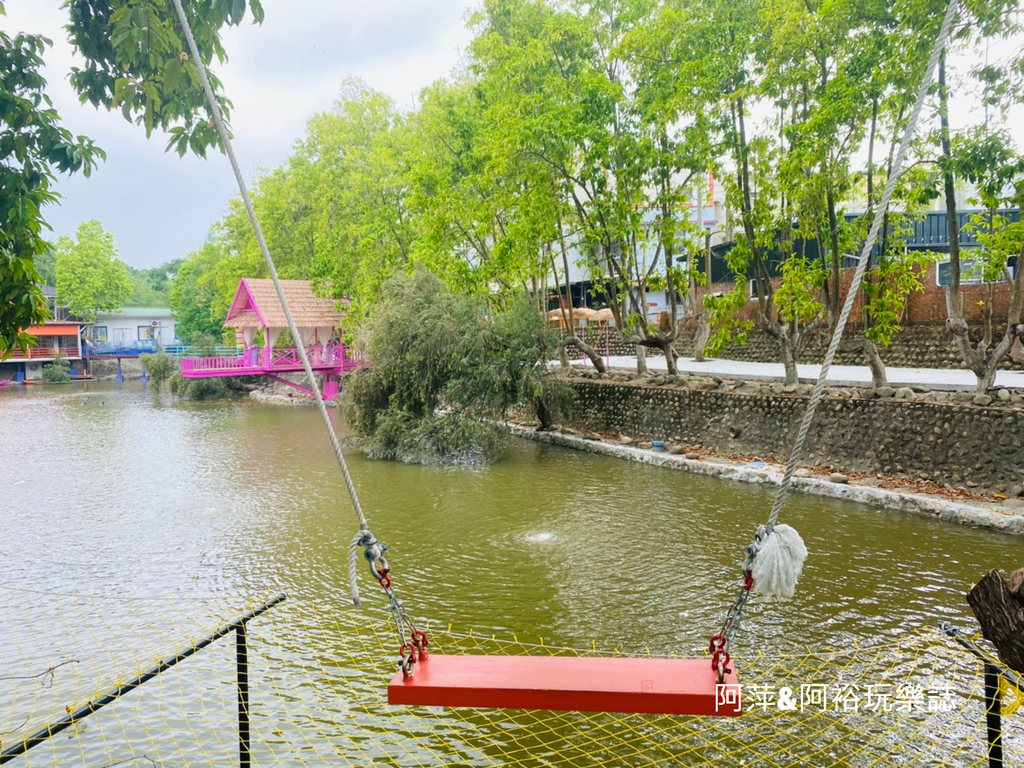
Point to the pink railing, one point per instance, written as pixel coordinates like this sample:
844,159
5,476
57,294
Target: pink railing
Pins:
44,353
253,361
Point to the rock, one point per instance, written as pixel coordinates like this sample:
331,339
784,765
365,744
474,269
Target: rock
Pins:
871,482
1003,395
982,400
675,449
836,477
692,455
866,394
905,393
963,397
802,472
624,440
647,445
778,388
789,389
885,392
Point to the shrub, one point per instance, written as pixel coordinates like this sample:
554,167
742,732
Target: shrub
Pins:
58,372
198,389
159,367
433,349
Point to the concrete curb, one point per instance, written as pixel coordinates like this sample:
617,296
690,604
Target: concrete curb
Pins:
914,503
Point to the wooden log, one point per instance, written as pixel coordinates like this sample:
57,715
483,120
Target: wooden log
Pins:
1000,611
1017,585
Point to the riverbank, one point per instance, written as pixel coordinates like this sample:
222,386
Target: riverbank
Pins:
1007,516
286,397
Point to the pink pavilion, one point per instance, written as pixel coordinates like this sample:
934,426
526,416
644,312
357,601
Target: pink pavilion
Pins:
256,308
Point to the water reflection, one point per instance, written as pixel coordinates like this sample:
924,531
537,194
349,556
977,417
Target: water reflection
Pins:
113,493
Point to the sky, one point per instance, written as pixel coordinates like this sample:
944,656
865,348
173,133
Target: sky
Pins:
159,206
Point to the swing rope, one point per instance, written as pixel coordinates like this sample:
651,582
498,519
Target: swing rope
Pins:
780,549
373,550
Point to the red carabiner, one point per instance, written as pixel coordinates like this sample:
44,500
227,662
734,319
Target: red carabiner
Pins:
385,579
421,642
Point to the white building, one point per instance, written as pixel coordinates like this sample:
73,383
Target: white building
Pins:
144,327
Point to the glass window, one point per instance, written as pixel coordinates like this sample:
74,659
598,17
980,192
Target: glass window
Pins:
99,333
147,333
971,272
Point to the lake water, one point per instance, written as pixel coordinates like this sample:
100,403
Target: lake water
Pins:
131,526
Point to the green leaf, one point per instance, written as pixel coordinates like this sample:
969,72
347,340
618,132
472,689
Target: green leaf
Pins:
172,76
258,13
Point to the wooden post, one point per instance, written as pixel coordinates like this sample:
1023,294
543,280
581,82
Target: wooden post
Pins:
999,608
993,717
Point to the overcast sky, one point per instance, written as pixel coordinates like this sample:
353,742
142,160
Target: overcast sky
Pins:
159,206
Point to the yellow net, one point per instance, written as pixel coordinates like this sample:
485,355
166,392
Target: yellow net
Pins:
318,681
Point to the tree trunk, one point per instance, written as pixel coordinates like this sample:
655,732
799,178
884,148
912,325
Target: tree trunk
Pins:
874,362
702,336
563,358
587,350
999,608
665,345
544,415
1017,352
641,359
788,348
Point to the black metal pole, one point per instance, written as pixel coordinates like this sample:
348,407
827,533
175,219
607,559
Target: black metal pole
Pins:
88,708
242,661
993,717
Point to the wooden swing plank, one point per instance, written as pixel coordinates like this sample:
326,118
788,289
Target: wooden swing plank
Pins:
583,684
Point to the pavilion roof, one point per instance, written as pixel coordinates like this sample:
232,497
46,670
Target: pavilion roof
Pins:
256,305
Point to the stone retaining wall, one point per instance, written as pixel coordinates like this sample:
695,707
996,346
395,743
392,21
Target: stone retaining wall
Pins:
953,443
922,346
918,346
104,370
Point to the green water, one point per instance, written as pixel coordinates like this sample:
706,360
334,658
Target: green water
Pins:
112,494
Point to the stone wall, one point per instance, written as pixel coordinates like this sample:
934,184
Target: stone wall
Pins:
919,346
953,443
104,370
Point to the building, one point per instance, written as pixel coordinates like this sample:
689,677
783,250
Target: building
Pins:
60,336
140,329
257,311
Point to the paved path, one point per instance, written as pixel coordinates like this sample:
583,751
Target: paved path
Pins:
839,375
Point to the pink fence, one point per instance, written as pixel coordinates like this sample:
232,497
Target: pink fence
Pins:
253,362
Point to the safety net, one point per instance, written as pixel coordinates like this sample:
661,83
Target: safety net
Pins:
317,681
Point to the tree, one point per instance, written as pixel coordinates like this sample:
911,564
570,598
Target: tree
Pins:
193,299
135,61
90,278
33,149
434,348
159,367
152,287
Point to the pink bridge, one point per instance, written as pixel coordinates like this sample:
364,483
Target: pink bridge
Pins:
330,361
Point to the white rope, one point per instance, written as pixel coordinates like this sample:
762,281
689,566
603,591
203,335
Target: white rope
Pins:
272,270
858,275
787,554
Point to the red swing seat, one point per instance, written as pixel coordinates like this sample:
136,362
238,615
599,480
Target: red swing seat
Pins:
576,683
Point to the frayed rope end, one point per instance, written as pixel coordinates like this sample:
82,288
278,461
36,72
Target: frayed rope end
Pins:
779,562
